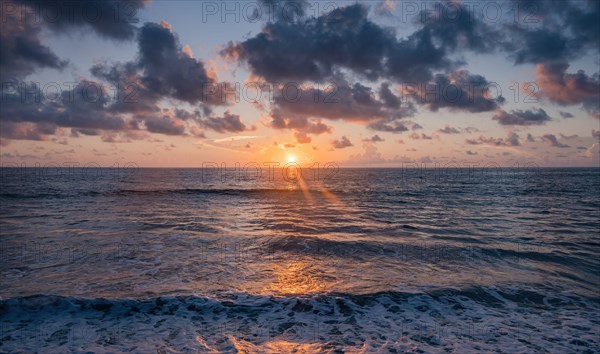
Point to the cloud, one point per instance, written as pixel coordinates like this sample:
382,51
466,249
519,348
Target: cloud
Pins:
520,117
387,96
26,130
302,138
301,125
23,22
385,8
21,50
389,126
542,45
374,139
114,19
472,130
164,124
569,89
592,150
371,155
565,114
163,68
312,49
228,123
569,137
235,138
82,107
315,49
511,140
471,153
595,133
421,136
167,69
564,30
342,143
455,27
354,103
344,43
89,109
456,91
552,141
449,130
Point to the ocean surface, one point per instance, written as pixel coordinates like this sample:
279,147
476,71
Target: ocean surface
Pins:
331,261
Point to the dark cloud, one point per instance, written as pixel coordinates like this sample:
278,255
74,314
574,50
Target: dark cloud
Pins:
228,123
388,97
457,91
454,26
84,131
346,41
163,126
472,153
568,137
389,126
374,139
596,133
542,45
341,143
354,103
449,130
520,117
471,130
421,136
553,30
26,130
511,140
21,49
414,59
530,138
113,19
163,70
566,114
281,10
82,107
88,109
315,49
299,123
167,69
552,141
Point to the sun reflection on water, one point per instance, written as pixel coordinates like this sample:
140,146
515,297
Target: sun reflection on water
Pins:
296,277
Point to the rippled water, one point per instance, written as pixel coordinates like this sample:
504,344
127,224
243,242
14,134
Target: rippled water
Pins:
354,260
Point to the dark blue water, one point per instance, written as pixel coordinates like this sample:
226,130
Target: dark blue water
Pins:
352,260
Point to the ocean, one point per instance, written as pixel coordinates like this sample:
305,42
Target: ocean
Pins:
323,261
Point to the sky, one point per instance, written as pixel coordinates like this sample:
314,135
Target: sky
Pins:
357,83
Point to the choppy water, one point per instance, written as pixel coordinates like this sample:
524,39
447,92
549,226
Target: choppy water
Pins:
362,260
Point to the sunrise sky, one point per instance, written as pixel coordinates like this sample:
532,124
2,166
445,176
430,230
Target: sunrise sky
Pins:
370,84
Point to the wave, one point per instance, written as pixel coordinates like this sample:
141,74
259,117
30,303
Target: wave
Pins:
400,243
464,320
164,192
221,191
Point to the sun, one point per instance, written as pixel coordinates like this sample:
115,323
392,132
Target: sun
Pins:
291,159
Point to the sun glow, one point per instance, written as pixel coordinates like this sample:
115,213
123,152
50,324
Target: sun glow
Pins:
291,159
